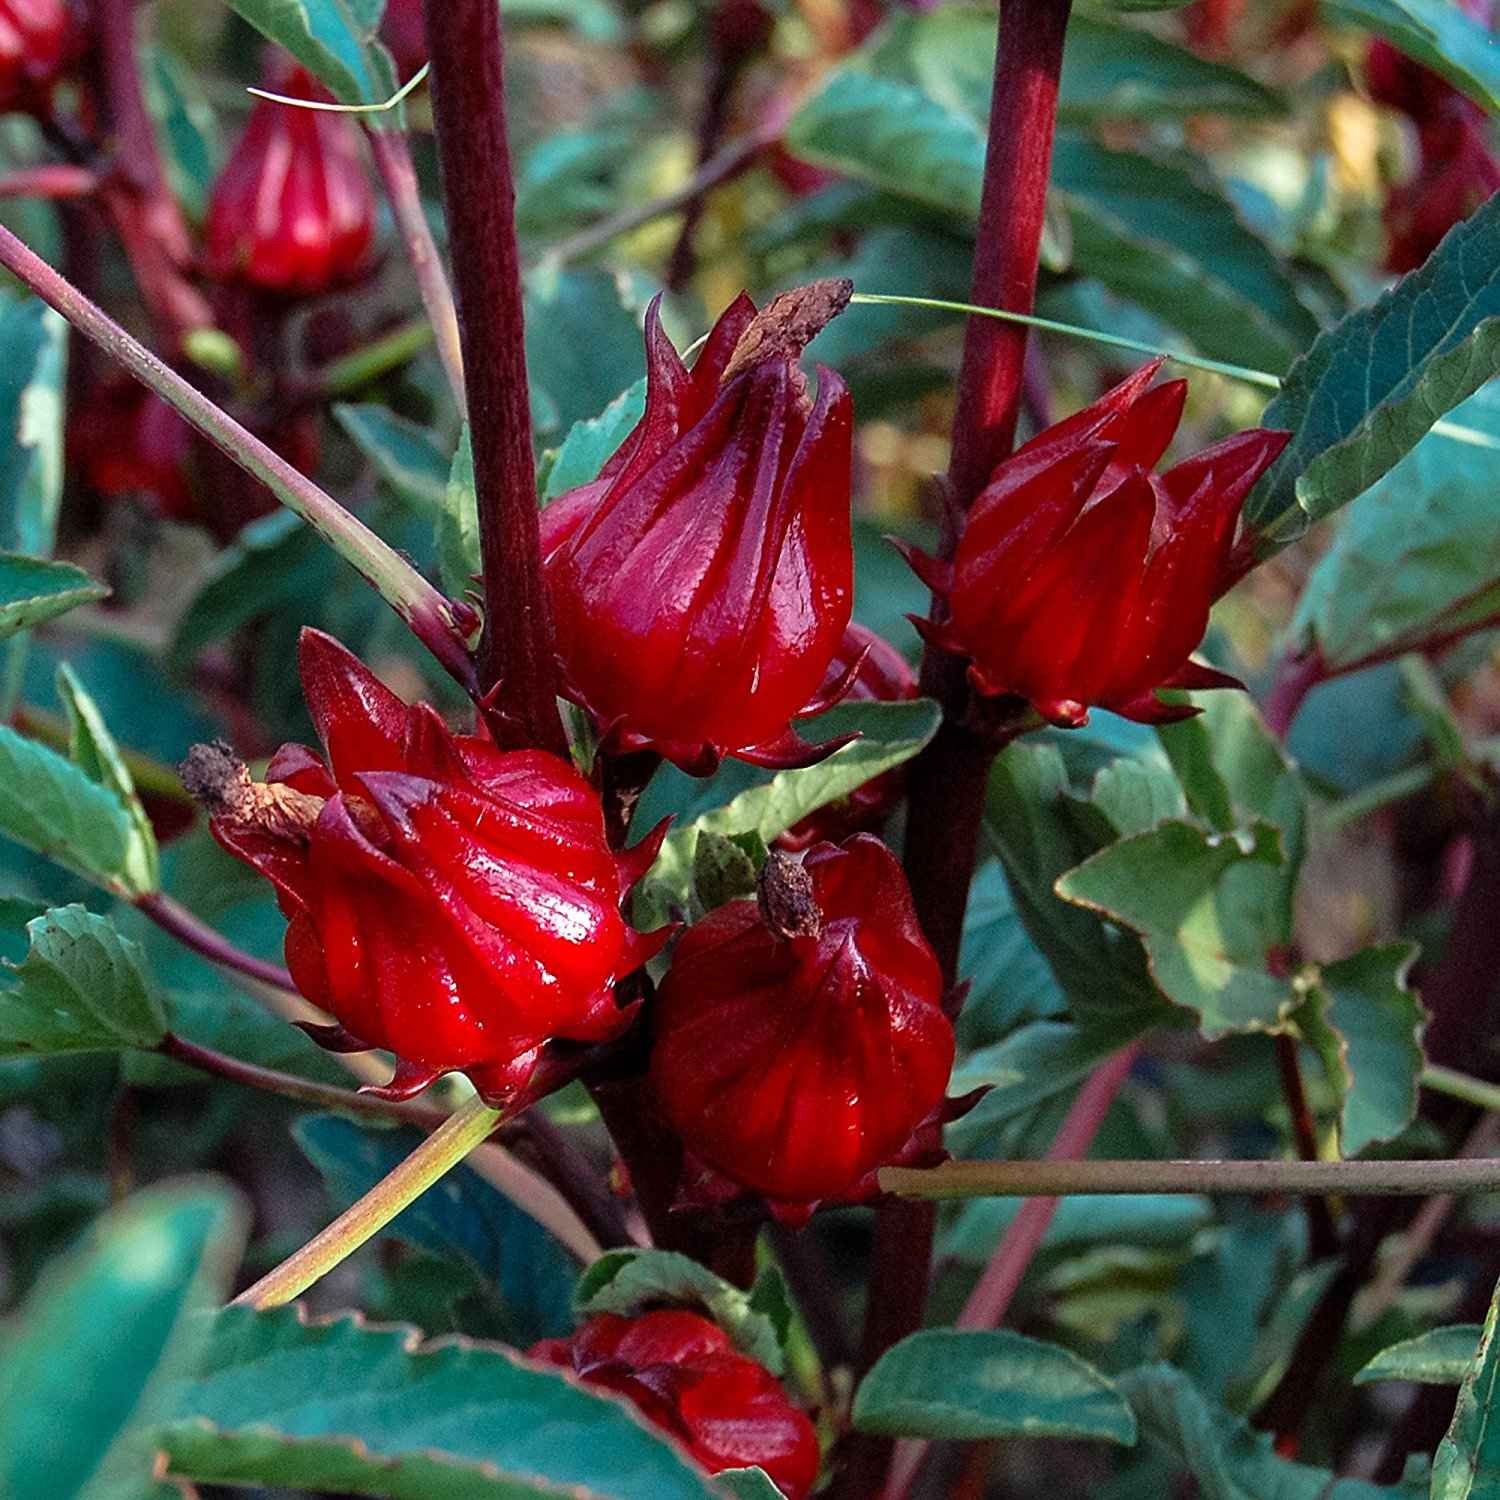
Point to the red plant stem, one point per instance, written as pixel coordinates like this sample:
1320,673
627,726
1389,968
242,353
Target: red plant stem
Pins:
1296,677
176,920
1323,1235
137,195
55,180
950,777
466,48
1012,1257
393,161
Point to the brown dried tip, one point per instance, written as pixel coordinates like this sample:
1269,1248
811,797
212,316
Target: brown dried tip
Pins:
220,783
785,327
784,892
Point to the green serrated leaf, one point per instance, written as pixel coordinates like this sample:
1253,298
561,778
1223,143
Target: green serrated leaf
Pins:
51,806
943,1383
374,1411
403,452
1440,36
95,753
722,871
1441,1356
330,37
580,456
462,1219
84,1360
1200,902
82,988
890,734
32,591
624,1281
1371,386
1367,1027
1467,1463
458,524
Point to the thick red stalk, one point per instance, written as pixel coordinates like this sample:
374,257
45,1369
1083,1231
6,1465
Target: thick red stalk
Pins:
466,48
950,777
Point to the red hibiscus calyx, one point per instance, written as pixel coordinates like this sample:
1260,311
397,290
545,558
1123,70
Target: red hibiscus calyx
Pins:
39,42
1082,578
800,1040
452,903
684,1375
701,584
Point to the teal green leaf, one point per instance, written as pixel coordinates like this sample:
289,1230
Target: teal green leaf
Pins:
746,1484
1227,1459
86,1357
580,456
458,525
1372,385
403,452
626,1281
82,988
192,144
1467,1463
94,751
32,591
1441,1356
890,734
462,1219
1199,901
1438,35
943,1383
1416,563
334,38
33,344
1148,1222
1368,1031
374,1411
51,806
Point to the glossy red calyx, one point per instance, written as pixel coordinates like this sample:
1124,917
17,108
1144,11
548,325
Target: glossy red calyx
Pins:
1084,579
682,1373
38,41
795,1066
453,903
701,585
293,210
881,675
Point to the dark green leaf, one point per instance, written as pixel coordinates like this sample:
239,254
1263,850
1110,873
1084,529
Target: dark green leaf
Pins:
403,452
1441,1356
458,525
339,1406
1199,902
331,37
943,1383
85,1357
1228,1460
462,1218
626,1281
1371,386
32,348
590,442
82,988
1467,1463
51,806
32,590
1438,35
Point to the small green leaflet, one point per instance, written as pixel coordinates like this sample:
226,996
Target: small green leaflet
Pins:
333,38
1441,1356
1467,1464
33,590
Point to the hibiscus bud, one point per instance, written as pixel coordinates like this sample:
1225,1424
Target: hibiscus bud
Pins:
38,40
796,1065
683,1374
1458,172
701,585
125,440
1083,578
880,675
455,904
292,211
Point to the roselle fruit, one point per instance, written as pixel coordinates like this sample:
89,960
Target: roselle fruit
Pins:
682,1373
701,585
293,211
39,40
453,903
801,1039
1083,578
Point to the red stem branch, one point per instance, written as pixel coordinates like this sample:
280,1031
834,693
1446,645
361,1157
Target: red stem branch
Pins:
466,48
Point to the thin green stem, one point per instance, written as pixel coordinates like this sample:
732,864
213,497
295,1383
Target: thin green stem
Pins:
1385,793
1065,1179
430,616
1457,1085
351,371
463,1130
